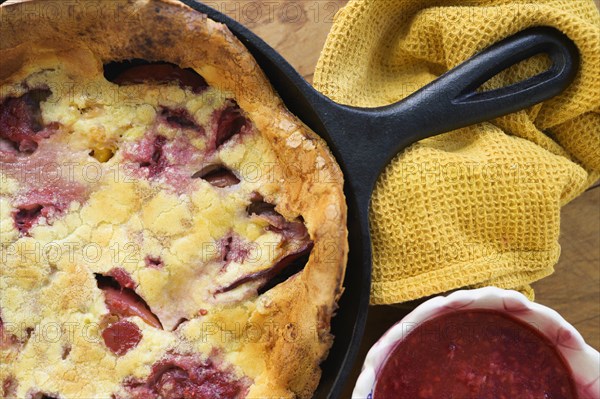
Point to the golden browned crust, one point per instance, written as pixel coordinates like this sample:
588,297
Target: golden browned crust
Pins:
301,308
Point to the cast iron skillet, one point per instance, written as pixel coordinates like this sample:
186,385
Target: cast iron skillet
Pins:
364,140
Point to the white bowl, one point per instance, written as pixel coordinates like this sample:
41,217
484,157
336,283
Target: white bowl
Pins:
583,360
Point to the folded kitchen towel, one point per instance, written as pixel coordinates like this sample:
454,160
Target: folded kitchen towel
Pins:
481,205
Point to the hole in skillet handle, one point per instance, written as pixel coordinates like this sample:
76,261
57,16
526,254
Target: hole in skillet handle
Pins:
381,132
452,101
516,73
368,138
564,59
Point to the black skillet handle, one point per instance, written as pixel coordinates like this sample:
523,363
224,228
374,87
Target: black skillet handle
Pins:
364,140
369,138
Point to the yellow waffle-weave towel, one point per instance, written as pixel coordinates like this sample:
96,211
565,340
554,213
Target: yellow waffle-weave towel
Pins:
481,205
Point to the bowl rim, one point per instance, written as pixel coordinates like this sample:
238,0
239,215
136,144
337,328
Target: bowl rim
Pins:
583,360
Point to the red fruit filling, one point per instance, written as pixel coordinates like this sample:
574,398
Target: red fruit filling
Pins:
166,160
296,241
122,277
156,154
188,377
475,354
179,323
121,337
125,302
47,202
218,176
161,73
156,162
234,249
154,263
261,208
293,231
26,216
40,395
9,387
267,274
228,122
180,118
6,340
21,123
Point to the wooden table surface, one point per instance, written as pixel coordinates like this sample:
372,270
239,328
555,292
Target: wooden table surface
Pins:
297,29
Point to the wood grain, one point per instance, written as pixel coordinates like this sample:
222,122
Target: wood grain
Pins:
574,289
296,29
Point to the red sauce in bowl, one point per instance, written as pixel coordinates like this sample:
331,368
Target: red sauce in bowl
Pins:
474,354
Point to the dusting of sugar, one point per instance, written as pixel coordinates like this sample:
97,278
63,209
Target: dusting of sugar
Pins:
294,140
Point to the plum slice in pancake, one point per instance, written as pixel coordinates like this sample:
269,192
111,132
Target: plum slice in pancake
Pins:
178,161
21,125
